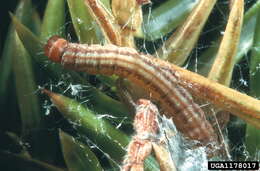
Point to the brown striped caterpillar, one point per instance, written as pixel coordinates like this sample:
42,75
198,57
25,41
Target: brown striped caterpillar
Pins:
161,82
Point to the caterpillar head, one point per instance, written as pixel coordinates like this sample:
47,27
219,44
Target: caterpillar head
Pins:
55,48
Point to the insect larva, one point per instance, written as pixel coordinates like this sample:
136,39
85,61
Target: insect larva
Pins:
145,122
146,127
162,84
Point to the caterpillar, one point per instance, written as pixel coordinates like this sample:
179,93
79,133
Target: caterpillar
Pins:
161,82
